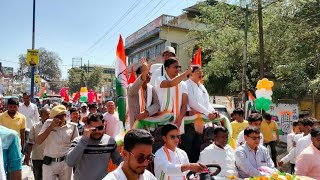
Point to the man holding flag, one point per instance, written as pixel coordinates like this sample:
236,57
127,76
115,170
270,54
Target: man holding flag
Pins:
144,93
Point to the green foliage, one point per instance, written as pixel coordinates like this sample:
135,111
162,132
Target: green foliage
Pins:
48,68
291,39
78,78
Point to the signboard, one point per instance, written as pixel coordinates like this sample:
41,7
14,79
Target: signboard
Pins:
227,101
284,115
37,80
143,31
33,57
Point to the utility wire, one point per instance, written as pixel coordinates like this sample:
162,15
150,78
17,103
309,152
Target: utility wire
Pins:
134,5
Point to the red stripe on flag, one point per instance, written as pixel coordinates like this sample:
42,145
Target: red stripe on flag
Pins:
120,51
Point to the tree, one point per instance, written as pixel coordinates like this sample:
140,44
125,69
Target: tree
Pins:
48,68
78,77
292,43
95,79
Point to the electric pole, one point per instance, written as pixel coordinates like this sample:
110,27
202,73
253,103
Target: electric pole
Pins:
244,68
261,44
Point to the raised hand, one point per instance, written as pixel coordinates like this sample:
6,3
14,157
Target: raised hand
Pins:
145,67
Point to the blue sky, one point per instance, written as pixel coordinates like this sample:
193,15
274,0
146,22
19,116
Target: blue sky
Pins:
71,28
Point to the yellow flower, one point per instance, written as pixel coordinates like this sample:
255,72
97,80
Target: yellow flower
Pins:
288,176
232,177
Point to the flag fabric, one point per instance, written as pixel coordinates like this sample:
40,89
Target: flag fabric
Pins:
132,76
83,94
121,80
197,58
43,92
251,98
76,97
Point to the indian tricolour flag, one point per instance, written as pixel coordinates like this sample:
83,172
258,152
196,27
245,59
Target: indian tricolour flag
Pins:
43,92
121,80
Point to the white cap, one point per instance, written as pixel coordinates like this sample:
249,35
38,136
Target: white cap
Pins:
84,105
169,49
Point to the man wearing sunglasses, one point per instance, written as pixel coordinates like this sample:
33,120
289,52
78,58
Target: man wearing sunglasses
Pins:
172,91
172,162
137,155
90,153
252,158
57,133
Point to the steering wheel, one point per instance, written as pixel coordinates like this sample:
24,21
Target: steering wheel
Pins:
205,175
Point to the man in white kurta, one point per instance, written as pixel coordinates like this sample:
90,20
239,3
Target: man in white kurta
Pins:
172,92
197,94
221,153
158,69
171,162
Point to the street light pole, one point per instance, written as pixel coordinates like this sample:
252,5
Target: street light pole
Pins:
33,42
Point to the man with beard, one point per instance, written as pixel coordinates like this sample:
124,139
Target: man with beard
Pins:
90,153
14,120
30,111
137,155
57,133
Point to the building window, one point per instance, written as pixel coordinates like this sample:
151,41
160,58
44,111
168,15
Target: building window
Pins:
175,46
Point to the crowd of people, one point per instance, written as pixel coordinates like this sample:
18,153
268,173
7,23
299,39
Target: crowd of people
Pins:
66,142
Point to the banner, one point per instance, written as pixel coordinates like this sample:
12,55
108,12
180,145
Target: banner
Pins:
227,101
284,115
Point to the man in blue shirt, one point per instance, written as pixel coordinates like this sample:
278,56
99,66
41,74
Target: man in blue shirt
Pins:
12,157
253,159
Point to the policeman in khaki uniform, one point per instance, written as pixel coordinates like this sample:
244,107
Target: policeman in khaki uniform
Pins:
57,134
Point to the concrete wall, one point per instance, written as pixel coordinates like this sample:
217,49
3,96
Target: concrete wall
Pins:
178,36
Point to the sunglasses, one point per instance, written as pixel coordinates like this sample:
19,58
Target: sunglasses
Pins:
255,138
98,128
177,67
141,158
173,137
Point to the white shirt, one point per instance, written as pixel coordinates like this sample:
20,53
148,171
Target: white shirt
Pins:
31,113
303,143
2,172
112,125
198,97
155,71
292,155
241,140
291,139
173,168
162,93
224,157
118,174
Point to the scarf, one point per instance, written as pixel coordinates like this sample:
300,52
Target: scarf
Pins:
175,104
142,102
169,159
